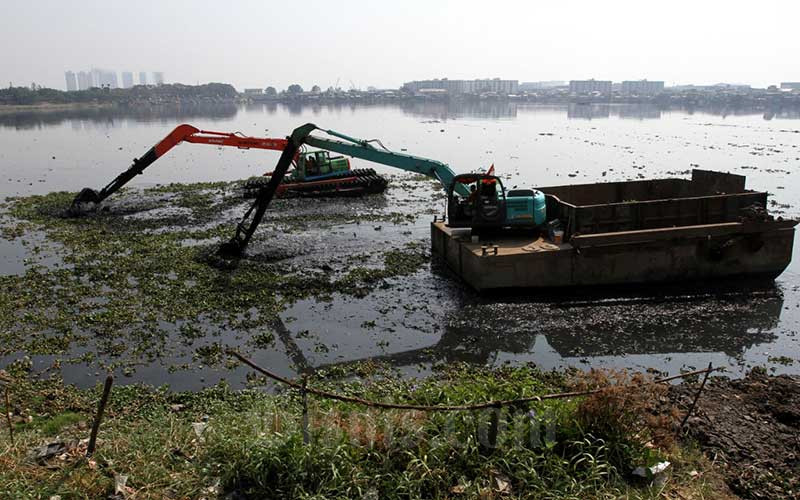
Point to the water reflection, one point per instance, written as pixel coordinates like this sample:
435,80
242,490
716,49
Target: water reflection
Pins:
588,111
430,110
114,117
480,333
445,110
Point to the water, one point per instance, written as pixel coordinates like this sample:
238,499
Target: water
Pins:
430,317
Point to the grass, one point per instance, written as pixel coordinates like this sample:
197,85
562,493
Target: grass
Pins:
51,426
253,443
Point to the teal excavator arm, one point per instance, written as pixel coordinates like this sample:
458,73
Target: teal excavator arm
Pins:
358,148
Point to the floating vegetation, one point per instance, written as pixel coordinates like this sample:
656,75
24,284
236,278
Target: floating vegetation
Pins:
133,278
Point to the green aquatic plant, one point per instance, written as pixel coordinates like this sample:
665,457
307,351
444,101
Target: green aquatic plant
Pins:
135,279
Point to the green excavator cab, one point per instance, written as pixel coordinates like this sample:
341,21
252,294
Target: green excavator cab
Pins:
314,164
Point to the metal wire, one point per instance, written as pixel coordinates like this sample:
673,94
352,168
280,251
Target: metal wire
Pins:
400,406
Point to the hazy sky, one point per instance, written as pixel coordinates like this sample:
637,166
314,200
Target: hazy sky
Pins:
260,43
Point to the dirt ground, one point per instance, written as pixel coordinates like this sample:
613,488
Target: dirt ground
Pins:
751,428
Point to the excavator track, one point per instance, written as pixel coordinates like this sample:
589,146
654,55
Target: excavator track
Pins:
348,183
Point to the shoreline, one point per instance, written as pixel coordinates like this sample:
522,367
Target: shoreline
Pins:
47,106
234,439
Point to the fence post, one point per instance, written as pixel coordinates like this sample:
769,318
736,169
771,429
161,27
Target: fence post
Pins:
304,395
494,422
100,409
696,396
8,417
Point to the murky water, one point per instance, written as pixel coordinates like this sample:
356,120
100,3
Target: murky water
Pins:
430,317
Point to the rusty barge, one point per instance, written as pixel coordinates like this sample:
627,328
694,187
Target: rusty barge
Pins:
636,232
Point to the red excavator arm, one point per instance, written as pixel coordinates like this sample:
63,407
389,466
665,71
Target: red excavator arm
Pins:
88,197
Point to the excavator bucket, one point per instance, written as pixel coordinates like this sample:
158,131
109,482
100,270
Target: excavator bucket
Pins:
88,199
84,202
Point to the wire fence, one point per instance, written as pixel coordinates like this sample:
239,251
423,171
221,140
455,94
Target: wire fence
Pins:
500,403
305,390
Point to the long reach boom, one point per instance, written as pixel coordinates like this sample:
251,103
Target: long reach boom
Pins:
88,197
358,148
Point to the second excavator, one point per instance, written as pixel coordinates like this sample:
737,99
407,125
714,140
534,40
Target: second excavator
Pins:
315,173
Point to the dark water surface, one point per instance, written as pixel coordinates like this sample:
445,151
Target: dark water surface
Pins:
430,317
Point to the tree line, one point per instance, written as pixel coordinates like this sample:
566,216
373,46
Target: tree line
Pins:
166,92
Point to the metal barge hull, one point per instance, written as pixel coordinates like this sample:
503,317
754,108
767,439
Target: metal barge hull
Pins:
704,235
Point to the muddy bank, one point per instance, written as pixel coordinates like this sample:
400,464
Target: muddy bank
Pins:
751,428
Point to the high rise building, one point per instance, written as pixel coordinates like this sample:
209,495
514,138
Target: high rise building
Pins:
464,86
790,85
550,84
127,79
84,80
72,82
98,79
590,86
142,78
158,78
642,87
104,78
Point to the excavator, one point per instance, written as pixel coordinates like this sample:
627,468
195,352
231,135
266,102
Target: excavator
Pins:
316,173
475,200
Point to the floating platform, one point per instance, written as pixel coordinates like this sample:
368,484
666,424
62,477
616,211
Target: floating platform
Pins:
647,232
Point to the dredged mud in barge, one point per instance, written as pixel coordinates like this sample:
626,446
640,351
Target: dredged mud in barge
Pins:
635,232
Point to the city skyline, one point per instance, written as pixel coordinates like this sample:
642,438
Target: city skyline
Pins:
84,80
98,77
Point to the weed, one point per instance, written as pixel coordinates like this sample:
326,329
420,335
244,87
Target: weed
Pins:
253,443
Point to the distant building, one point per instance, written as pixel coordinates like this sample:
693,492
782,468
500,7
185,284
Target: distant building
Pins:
127,79
253,91
590,86
96,77
790,85
142,78
642,87
551,84
84,80
709,88
731,86
455,87
104,78
72,82
158,78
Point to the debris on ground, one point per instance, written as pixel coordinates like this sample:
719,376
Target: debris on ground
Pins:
750,426
60,449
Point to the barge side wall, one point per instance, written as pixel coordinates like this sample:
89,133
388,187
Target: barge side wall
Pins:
692,258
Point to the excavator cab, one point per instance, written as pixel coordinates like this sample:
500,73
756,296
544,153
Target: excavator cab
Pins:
488,206
483,207
318,164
